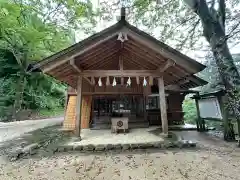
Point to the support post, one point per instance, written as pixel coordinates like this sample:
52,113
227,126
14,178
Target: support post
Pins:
65,104
162,105
144,107
79,106
198,120
145,100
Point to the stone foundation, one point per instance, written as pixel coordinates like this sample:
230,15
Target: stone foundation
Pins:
125,147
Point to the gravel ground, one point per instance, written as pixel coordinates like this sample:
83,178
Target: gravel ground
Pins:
213,159
146,165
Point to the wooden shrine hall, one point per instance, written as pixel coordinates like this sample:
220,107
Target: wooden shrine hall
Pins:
123,72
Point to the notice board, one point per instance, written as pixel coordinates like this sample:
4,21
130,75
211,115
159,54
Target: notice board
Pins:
210,108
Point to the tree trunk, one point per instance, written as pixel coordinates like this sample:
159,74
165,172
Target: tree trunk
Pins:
19,97
214,32
230,77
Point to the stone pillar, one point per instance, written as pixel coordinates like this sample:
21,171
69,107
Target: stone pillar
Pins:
78,106
162,105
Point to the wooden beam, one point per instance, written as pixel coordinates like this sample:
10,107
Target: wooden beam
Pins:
143,54
119,73
162,104
137,80
92,81
72,63
165,66
146,49
63,72
79,70
101,59
88,80
79,106
130,65
107,81
121,68
122,81
150,80
183,80
120,63
98,56
103,63
183,61
173,78
98,51
176,86
51,66
111,93
172,87
131,59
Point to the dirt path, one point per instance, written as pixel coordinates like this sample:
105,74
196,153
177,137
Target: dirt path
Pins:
213,159
12,130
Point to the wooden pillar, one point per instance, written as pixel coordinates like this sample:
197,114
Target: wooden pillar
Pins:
145,100
144,108
65,104
198,120
79,106
162,105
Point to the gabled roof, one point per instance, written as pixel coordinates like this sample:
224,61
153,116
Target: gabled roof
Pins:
102,51
167,50
80,45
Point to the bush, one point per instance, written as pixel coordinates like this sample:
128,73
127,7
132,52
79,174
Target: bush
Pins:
190,111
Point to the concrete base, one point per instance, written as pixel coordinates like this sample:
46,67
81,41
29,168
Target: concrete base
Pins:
142,138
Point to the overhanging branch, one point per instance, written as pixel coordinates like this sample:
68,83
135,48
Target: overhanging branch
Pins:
200,7
233,32
222,13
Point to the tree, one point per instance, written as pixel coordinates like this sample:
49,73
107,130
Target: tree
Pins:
28,33
213,22
211,74
211,25
24,38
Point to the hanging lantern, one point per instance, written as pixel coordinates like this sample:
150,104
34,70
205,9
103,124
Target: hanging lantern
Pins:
129,81
144,82
100,81
114,82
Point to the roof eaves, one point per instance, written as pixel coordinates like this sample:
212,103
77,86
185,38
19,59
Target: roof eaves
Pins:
165,46
79,45
202,81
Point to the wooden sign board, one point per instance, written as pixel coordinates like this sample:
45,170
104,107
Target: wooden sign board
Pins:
210,108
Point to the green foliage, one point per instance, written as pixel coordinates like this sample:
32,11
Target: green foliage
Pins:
53,112
24,39
212,75
41,91
189,108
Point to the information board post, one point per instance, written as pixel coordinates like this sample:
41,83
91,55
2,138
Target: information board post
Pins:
208,108
198,120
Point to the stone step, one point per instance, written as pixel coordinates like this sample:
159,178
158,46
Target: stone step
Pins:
127,146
